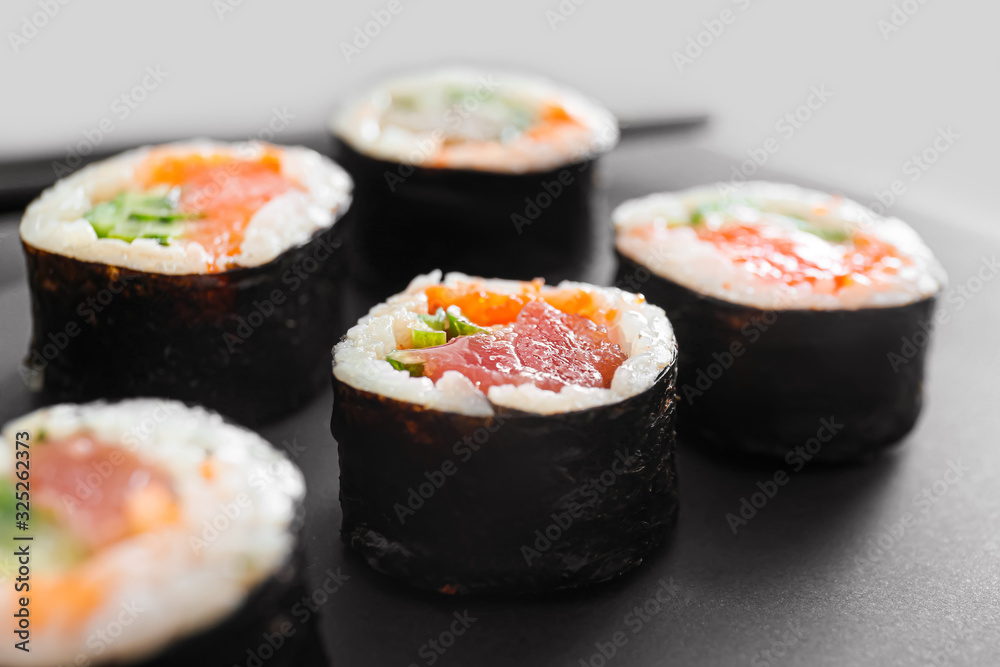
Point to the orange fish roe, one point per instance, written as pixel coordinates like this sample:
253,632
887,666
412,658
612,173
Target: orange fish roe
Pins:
551,118
582,302
480,305
222,190
487,308
770,251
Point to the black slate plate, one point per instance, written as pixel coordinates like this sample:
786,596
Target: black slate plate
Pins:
842,566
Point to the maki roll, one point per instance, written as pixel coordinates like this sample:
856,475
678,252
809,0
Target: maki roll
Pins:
789,307
145,532
465,170
506,436
201,271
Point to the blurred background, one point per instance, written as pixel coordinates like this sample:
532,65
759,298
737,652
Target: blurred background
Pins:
895,75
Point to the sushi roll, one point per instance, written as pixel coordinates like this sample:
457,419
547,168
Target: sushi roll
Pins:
788,305
470,170
201,271
154,534
505,436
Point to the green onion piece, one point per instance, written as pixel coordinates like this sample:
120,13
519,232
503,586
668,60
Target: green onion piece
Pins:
151,207
406,102
7,500
456,94
831,235
521,118
716,206
428,338
406,360
452,322
458,325
438,321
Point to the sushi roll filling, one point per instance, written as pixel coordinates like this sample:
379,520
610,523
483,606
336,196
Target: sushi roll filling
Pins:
468,345
774,246
543,345
465,119
197,207
785,248
206,199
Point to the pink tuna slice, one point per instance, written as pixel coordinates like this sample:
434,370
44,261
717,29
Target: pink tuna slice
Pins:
545,346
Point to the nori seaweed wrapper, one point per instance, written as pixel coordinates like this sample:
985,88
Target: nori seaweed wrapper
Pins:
410,220
511,503
219,339
796,372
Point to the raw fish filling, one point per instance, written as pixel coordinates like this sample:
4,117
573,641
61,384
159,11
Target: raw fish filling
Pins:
543,346
497,121
785,249
772,252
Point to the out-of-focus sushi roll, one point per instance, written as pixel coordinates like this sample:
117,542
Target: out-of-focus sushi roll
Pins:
465,169
506,436
200,271
152,532
788,305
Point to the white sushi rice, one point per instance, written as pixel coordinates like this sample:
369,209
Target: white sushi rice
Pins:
640,329
682,257
363,124
180,578
54,222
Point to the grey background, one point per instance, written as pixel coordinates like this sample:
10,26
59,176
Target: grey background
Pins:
228,70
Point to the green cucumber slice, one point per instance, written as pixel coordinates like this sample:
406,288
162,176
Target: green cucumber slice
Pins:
428,338
406,360
134,215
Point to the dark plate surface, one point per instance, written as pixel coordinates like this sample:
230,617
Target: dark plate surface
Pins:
893,563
